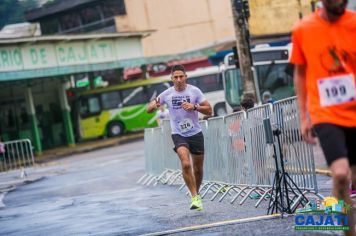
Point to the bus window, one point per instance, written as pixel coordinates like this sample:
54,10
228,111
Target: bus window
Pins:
210,83
89,106
274,78
153,90
134,96
233,87
110,100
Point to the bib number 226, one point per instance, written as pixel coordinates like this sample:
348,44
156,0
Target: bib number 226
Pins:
185,125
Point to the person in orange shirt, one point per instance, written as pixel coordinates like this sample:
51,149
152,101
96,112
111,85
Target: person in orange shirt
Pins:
324,54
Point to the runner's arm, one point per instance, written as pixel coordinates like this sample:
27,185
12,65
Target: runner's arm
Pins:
301,89
153,105
300,84
205,108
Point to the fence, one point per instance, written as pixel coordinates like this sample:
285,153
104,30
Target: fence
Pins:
17,154
238,160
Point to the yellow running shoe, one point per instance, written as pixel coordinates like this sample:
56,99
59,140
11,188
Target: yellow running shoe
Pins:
197,203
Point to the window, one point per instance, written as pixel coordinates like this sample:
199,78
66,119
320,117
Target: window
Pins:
89,105
273,78
154,90
207,83
110,100
134,96
90,14
50,26
234,88
69,21
56,112
113,8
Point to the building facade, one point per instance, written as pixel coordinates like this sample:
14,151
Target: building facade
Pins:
179,25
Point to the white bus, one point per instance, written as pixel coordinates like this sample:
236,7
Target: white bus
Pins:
209,81
272,72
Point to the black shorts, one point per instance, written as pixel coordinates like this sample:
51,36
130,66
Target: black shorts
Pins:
337,141
195,143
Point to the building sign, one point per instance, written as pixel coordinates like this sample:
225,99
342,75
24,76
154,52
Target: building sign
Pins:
58,54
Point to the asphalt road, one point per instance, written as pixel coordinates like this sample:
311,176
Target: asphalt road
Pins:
96,194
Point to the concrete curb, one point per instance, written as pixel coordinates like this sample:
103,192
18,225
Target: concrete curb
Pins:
87,147
323,172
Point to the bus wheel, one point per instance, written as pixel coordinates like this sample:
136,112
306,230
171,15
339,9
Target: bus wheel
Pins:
220,109
115,129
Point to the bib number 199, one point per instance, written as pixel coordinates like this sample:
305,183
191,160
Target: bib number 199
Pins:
336,90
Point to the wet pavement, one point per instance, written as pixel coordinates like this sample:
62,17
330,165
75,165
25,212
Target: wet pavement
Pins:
96,193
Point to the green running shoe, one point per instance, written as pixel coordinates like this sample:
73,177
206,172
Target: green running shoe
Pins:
197,203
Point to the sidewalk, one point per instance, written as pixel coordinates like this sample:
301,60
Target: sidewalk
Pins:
87,146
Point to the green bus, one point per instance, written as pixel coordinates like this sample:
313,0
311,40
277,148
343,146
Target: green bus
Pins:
117,109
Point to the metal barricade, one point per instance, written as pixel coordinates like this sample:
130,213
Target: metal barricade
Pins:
262,164
236,147
18,154
215,160
171,160
298,155
238,159
154,157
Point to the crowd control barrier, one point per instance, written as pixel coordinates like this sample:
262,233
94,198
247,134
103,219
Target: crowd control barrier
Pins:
240,163
16,154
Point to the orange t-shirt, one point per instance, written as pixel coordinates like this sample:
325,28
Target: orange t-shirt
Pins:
329,51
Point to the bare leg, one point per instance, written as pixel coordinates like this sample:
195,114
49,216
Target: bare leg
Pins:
353,177
341,172
188,175
198,161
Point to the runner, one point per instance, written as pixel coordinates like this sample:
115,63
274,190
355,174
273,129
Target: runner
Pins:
162,114
324,54
184,101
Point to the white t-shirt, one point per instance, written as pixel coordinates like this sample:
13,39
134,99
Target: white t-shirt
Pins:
185,123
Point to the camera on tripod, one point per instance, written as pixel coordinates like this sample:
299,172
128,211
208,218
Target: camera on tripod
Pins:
284,189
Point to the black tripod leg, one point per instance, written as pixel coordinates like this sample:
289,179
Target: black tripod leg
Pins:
273,199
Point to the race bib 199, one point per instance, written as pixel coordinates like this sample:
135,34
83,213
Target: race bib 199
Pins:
185,125
336,90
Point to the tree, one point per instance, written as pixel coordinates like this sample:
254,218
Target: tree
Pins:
13,11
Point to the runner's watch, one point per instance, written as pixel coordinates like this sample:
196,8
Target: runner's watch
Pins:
196,107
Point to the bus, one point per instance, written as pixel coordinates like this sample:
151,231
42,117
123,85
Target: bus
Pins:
209,81
271,71
121,108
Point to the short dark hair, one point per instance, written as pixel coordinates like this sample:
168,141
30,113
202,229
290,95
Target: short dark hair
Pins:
247,103
177,67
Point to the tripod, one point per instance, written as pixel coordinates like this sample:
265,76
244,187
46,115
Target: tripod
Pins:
284,186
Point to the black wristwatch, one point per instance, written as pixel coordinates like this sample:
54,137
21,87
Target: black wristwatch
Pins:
196,107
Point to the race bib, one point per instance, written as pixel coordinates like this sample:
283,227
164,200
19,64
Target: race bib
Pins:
336,90
185,125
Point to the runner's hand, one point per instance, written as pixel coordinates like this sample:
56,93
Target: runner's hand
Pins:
187,106
157,102
307,131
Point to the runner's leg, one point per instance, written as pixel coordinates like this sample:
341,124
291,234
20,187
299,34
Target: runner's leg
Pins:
198,161
188,175
340,173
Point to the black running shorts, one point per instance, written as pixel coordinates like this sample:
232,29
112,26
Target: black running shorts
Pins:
337,141
195,143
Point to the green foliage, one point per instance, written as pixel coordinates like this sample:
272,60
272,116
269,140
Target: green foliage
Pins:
13,11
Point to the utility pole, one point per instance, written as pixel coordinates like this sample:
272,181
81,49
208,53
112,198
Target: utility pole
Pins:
241,13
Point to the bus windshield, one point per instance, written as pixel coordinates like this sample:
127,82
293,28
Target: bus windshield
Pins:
272,77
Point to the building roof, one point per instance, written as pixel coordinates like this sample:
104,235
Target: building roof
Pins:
56,38
59,6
